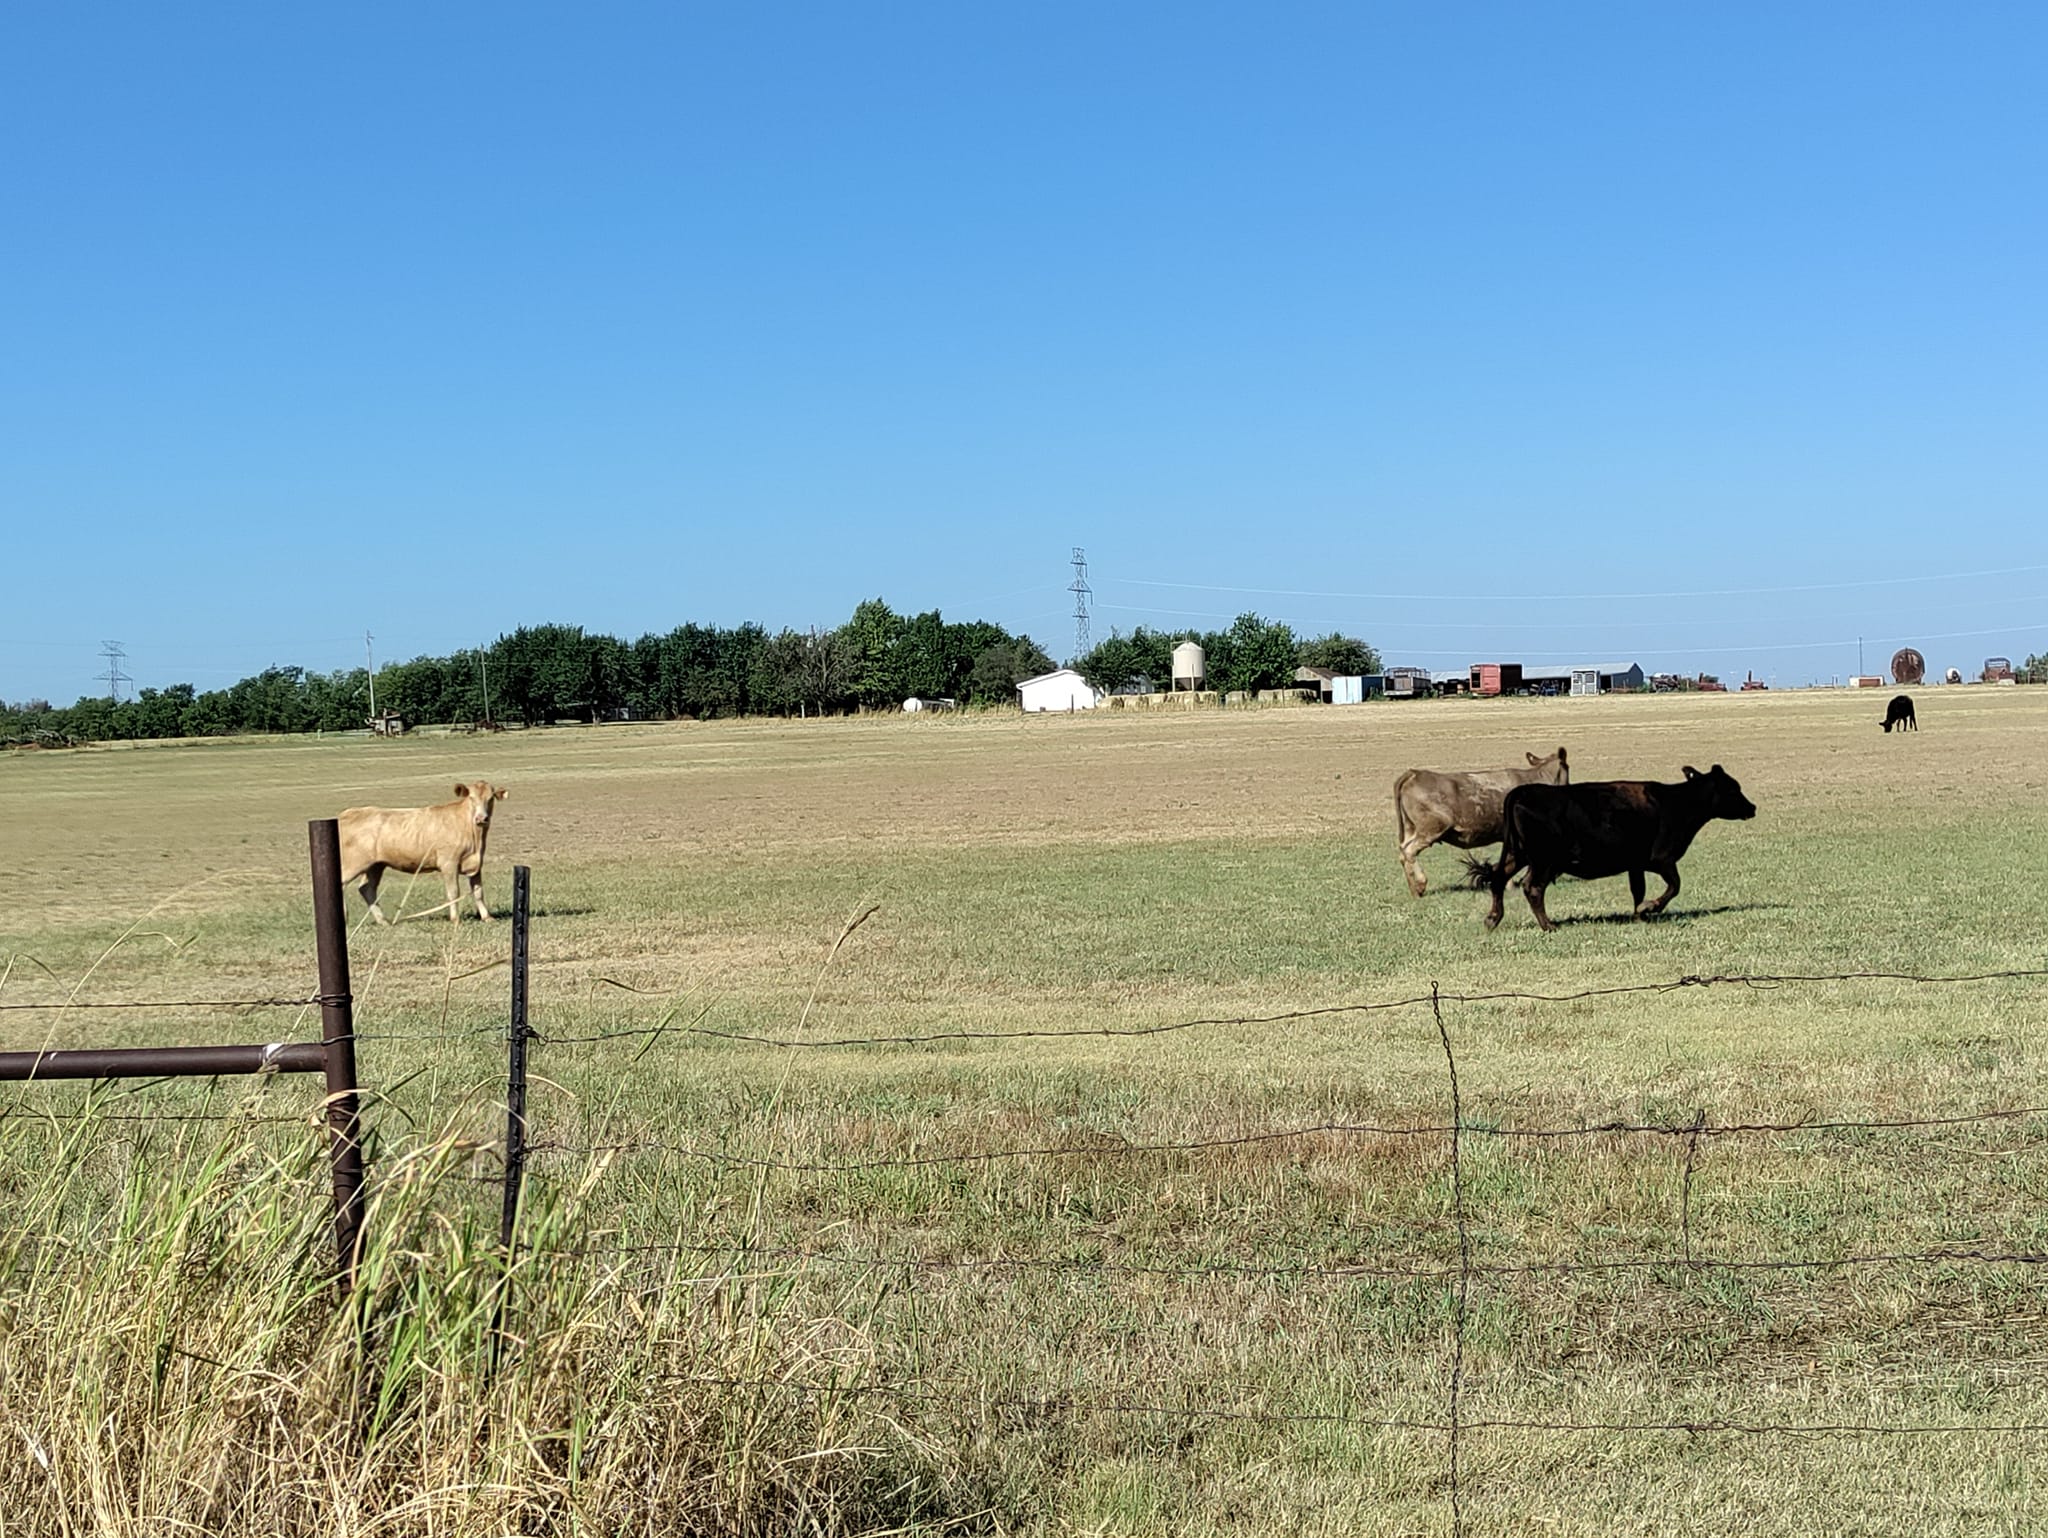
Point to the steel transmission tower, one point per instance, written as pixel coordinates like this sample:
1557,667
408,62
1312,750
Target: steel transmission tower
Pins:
1082,593
113,678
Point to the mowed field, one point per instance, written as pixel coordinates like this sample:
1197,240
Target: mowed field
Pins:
1046,1267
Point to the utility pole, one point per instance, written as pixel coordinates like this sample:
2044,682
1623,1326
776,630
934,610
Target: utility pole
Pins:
1859,656
113,677
1082,593
483,659
372,657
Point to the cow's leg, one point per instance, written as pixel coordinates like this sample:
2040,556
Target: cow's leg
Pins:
476,893
1532,888
451,883
1636,887
1417,840
371,877
1497,887
1417,882
1656,904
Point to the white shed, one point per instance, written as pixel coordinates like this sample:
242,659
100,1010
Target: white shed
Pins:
1061,689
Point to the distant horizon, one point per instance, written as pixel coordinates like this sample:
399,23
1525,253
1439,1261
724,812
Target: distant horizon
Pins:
330,654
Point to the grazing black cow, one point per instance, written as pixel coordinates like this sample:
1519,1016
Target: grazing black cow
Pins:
1605,828
1900,713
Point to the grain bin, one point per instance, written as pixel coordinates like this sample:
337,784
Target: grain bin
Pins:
1189,670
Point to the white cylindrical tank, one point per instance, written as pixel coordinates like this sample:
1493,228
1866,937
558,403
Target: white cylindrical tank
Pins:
1188,666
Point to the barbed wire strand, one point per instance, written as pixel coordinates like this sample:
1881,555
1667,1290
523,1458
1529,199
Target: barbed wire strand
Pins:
1116,1148
1757,981
1982,1253
966,1395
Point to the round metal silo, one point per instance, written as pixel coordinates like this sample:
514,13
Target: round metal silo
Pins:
1189,670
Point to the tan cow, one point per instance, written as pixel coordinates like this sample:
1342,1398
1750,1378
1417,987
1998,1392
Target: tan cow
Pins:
1462,810
448,838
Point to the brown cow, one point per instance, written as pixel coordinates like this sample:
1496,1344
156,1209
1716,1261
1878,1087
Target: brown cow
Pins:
448,838
1462,810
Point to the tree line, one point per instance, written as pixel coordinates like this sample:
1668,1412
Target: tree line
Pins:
542,673
1252,654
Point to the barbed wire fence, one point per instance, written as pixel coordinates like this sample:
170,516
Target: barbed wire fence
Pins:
1455,1133
1456,1421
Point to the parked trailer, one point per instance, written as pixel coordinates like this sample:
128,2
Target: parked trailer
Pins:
1496,677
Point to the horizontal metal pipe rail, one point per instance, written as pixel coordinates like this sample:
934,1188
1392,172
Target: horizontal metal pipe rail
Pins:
155,1062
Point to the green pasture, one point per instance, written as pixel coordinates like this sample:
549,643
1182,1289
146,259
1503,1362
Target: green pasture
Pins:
768,1289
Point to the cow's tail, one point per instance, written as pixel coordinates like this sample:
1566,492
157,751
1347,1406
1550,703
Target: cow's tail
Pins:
1481,875
1401,826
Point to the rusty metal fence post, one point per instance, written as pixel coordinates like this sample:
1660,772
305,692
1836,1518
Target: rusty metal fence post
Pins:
338,1036
517,1034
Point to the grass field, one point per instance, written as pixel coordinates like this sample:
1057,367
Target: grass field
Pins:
939,1333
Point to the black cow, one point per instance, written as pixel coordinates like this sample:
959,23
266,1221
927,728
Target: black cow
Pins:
1900,713
1605,828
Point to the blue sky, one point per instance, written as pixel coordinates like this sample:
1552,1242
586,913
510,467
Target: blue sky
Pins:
1710,337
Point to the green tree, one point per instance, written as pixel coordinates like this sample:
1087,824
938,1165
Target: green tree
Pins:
870,641
1112,663
1252,654
161,712
801,672
1001,667
206,716
1341,653
542,672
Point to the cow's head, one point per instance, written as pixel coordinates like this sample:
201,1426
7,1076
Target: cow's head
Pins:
1724,796
480,796
1557,771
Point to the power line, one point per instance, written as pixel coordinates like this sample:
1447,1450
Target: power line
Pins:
1725,592
1397,628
